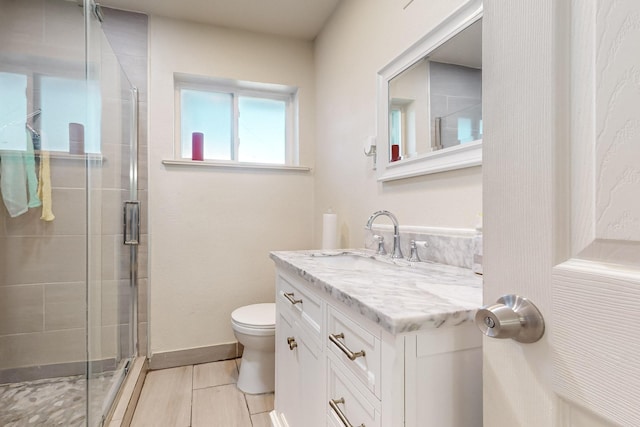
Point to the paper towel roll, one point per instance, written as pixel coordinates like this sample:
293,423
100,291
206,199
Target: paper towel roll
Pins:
329,231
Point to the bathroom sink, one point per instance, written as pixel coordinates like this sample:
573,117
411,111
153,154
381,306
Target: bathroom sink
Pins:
353,262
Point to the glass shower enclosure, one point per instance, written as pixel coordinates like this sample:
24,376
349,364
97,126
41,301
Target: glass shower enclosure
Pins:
68,215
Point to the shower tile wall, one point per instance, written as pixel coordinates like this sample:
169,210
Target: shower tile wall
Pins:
453,88
42,264
127,33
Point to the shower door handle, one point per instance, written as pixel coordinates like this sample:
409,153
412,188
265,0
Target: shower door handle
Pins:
131,222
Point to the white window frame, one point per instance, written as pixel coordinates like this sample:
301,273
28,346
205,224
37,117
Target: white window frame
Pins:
288,94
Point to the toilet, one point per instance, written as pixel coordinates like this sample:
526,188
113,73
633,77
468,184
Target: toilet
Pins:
255,328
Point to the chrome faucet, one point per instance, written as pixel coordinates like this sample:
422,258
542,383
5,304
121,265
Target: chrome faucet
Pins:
396,253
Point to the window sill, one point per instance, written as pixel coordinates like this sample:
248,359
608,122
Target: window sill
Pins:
61,155
228,165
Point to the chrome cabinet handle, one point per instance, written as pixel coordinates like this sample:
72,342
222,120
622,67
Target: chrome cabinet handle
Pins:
333,403
335,338
292,300
292,343
511,317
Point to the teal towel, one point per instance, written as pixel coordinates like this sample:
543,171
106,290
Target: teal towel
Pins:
30,169
13,170
18,180
13,182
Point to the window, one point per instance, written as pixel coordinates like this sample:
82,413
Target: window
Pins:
65,101
242,122
13,111
49,105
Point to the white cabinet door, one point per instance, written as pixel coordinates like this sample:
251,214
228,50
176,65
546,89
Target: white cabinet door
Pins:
287,373
311,385
300,374
444,377
561,166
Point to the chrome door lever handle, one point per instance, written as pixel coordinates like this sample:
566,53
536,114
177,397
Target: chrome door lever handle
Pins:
511,317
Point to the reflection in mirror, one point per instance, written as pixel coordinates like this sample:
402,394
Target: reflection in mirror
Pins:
429,100
436,102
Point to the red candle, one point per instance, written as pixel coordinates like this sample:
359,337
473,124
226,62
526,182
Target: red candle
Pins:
395,152
197,146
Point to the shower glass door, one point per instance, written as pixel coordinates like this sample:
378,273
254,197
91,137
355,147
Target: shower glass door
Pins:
67,165
111,147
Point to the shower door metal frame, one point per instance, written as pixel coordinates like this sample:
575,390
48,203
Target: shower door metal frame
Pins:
133,243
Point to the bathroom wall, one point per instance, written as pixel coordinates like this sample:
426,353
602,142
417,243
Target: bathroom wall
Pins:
361,37
211,229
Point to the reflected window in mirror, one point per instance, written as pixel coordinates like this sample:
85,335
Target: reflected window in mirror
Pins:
396,132
409,99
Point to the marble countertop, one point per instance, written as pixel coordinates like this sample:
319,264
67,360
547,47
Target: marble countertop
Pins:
398,295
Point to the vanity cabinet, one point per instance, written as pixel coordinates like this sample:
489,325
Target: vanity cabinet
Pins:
346,369
299,357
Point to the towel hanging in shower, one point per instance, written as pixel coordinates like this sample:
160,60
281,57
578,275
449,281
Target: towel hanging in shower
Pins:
30,169
18,181
44,187
13,177
13,114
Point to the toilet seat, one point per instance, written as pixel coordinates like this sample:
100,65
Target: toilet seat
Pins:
255,317
256,332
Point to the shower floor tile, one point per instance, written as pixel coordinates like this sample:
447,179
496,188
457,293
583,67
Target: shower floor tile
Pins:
50,402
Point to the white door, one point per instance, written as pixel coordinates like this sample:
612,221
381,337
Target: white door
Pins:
561,166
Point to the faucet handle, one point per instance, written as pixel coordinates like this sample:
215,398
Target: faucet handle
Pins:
413,245
380,240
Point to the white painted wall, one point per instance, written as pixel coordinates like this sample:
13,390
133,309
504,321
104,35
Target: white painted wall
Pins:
211,230
361,37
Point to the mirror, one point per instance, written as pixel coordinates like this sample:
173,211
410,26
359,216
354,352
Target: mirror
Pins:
430,101
436,103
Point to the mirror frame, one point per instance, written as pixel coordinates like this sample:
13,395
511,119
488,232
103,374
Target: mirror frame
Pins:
457,157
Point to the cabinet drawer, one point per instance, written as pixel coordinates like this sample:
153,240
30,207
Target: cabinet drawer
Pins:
302,303
345,400
358,349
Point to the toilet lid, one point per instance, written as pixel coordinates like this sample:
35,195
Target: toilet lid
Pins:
256,315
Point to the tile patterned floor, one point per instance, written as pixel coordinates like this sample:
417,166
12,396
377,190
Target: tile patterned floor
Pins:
199,396
50,402
56,401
